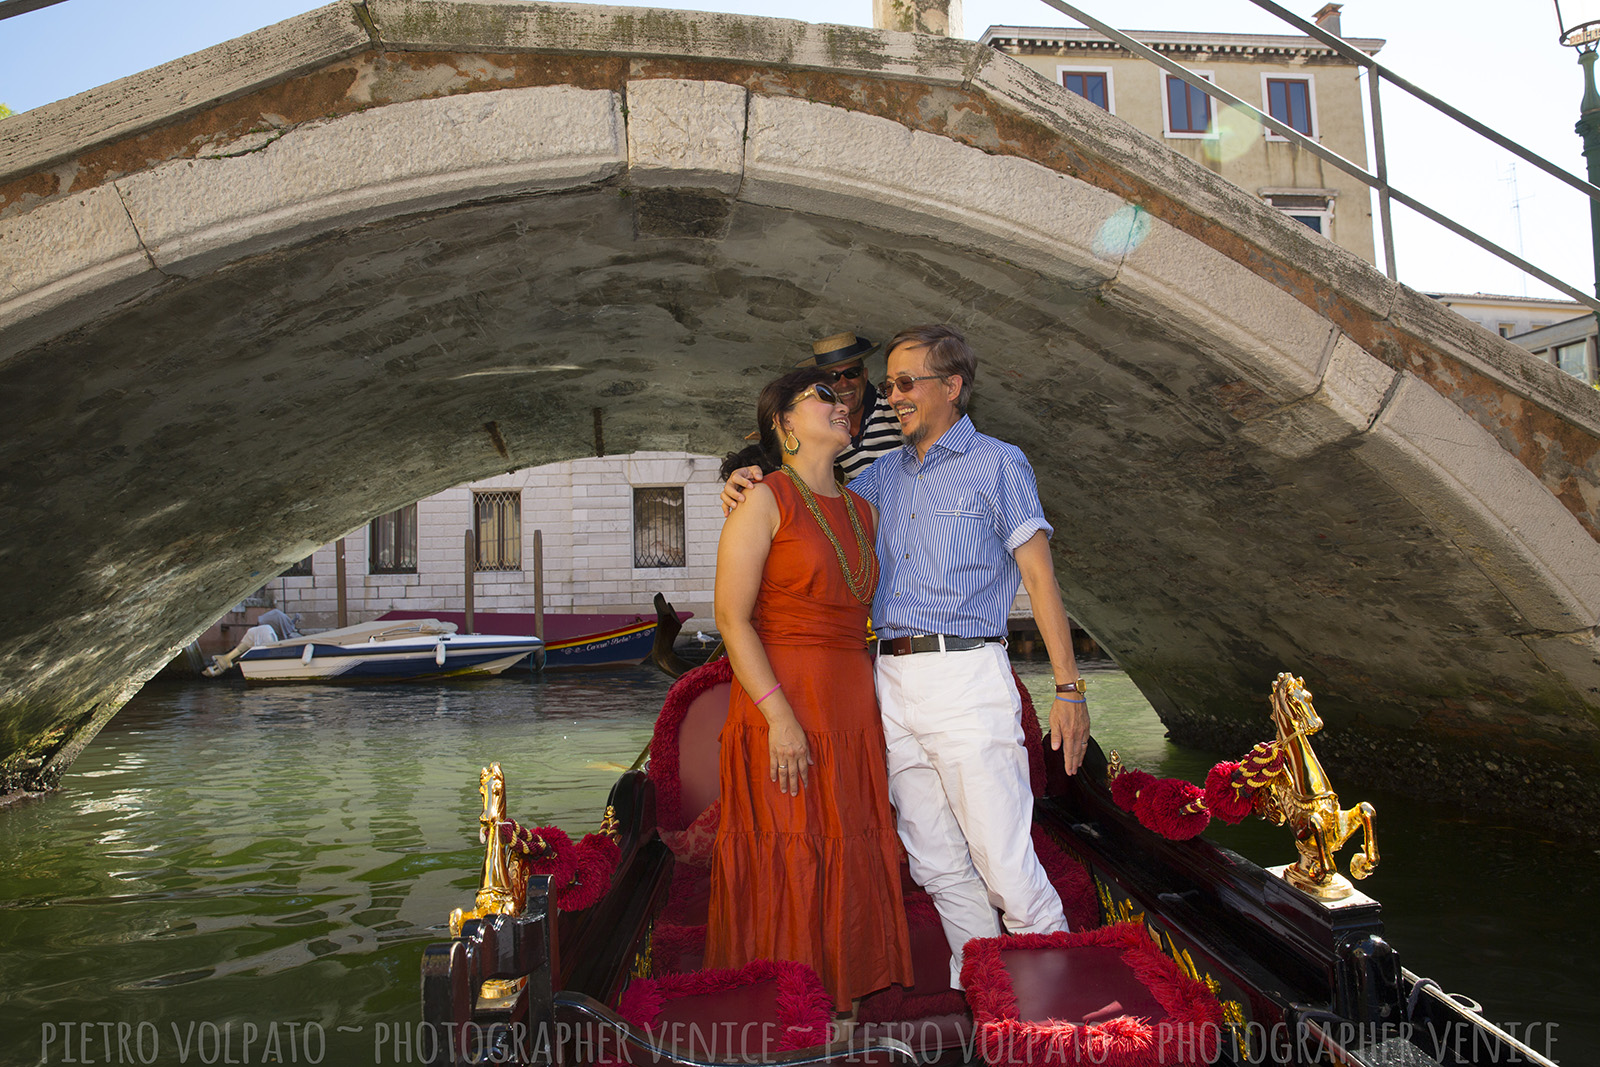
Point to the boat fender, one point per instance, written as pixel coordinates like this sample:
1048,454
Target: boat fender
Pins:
438,653
305,657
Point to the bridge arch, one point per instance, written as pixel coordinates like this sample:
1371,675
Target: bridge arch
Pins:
376,251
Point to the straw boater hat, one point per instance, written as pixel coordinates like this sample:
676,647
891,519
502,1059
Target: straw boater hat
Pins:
837,351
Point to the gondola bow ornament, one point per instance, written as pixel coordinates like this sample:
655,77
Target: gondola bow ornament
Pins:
1280,780
580,873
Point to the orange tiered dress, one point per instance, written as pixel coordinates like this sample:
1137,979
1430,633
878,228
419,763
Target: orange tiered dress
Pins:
813,878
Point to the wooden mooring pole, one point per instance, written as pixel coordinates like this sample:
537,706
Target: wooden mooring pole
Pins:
538,584
468,552
342,603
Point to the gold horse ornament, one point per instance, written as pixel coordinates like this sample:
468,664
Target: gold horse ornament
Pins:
503,886
1299,794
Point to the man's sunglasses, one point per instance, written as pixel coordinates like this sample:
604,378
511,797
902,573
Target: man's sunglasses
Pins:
849,372
904,382
821,392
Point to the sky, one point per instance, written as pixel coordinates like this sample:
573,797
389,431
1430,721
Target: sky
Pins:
1497,60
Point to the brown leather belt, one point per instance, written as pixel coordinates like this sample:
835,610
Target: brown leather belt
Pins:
905,646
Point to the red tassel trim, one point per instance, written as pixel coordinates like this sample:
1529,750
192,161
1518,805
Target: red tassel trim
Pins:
1166,806
1224,798
664,763
670,942
1070,880
1179,810
1032,738
579,874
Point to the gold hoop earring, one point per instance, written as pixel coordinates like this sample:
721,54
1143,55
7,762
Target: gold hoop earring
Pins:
791,449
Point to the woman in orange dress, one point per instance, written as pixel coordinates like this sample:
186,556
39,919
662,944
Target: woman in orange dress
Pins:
806,862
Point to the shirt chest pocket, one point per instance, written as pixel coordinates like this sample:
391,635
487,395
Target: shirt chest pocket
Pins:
959,524
966,507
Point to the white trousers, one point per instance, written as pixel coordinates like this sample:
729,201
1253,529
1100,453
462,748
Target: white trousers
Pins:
958,778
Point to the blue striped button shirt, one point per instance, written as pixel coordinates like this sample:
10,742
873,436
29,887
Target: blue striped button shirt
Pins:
946,529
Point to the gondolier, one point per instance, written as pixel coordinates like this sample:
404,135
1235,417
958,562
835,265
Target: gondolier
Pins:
874,429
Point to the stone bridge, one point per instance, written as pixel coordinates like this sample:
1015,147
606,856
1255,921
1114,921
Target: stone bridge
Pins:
255,297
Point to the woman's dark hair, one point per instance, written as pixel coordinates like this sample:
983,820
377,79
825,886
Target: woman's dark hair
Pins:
776,398
748,456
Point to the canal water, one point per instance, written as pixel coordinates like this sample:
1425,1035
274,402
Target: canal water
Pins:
241,875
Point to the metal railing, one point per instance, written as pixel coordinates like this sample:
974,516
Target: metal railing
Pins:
1376,74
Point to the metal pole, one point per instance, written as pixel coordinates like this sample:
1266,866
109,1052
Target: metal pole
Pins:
538,584
343,610
1381,161
469,550
1588,127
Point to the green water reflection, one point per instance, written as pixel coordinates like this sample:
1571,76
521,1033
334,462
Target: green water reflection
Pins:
224,855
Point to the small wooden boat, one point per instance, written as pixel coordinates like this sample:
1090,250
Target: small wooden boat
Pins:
1181,952
385,651
572,640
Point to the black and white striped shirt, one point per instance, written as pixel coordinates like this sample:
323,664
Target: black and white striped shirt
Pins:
880,433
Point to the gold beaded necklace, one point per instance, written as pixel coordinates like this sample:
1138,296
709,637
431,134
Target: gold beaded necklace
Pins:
863,581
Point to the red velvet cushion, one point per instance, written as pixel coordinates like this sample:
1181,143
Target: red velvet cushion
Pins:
1107,997
727,1014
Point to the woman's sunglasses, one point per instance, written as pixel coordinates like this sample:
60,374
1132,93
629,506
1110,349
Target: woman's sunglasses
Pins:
821,392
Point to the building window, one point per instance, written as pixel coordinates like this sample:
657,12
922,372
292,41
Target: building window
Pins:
1506,329
1291,102
497,522
1093,84
1311,208
394,542
658,528
1574,359
1188,110
301,568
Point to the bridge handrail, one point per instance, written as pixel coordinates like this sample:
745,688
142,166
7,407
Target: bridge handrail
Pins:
1376,72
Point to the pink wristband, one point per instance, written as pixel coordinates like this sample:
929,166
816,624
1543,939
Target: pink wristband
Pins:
769,692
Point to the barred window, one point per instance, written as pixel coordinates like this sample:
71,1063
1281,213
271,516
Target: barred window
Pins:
393,542
299,569
497,520
658,531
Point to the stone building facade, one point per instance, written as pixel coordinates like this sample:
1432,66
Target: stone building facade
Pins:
615,531
1296,79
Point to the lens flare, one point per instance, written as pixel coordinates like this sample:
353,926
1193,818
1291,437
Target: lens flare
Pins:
1122,232
1237,133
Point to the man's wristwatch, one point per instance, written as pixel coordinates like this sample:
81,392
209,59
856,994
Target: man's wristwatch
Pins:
1081,687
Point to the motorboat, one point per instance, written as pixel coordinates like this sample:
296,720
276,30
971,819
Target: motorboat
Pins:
1180,951
385,651
582,640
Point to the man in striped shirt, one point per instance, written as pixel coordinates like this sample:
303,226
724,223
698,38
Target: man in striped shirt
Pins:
959,527
874,429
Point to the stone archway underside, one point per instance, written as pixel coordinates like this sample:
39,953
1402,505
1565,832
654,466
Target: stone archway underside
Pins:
446,247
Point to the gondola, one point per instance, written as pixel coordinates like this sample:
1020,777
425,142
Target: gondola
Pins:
1181,951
